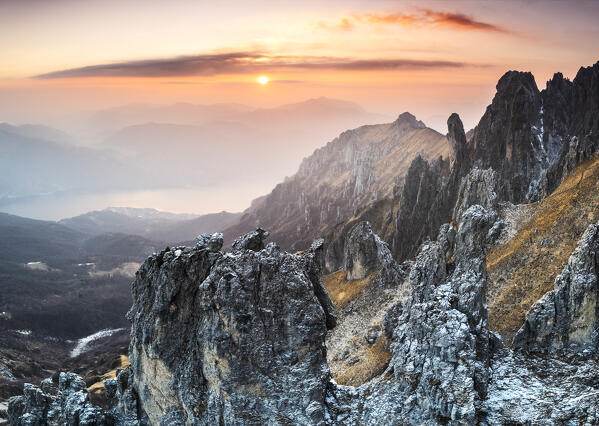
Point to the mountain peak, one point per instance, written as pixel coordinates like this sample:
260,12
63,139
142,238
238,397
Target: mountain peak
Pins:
407,119
511,81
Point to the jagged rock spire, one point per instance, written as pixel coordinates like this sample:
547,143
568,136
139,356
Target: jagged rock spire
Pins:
457,141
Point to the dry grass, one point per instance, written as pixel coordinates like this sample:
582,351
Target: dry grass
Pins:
365,361
99,385
374,359
343,291
524,268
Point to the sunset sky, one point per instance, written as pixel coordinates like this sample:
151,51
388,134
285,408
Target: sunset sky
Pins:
429,57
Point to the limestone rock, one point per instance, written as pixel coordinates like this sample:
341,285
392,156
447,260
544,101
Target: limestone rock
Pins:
70,406
251,241
366,253
477,187
230,338
213,242
456,136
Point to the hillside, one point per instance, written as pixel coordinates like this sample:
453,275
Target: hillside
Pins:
542,236
356,169
59,282
58,166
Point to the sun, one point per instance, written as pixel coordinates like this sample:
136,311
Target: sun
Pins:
263,80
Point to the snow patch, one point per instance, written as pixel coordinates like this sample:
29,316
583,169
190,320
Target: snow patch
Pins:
83,343
37,266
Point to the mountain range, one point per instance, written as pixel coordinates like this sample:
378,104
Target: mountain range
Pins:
523,146
150,223
437,279
175,146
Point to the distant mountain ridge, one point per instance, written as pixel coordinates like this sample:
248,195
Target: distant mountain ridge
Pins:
58,166
231,145
358,168
150,223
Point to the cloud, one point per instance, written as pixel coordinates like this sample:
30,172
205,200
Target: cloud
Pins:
421,17
461,21
242,63
179,66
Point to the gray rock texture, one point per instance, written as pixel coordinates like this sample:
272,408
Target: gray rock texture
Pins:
234,338
69,405
366,253
477,187
440,340
381,281
523,146
567,317
358,169
447,368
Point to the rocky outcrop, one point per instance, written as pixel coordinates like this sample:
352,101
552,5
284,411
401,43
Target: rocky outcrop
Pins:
441,345
567,317
404,178
423,206
439,338
371,281
447,368
477,187
67,404
366,253
505,138
238,338
524,145
460,153
232,338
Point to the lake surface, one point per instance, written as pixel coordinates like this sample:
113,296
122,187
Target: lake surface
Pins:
231,197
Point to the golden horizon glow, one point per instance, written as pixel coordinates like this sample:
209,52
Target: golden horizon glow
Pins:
431,59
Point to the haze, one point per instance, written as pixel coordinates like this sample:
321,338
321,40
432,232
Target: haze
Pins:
161,106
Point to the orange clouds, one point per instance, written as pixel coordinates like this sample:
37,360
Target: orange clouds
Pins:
421,18
460,21
245,63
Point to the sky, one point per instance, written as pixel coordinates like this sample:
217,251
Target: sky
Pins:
431,58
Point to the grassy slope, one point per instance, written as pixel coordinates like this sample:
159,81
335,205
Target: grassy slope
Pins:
523,269
360,307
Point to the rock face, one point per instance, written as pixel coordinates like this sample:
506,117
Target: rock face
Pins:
440,348
356,169
441,343
239,338
521,150
505,138
447,368
365,253
404,178
477,187
567,317
356,347
232,338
